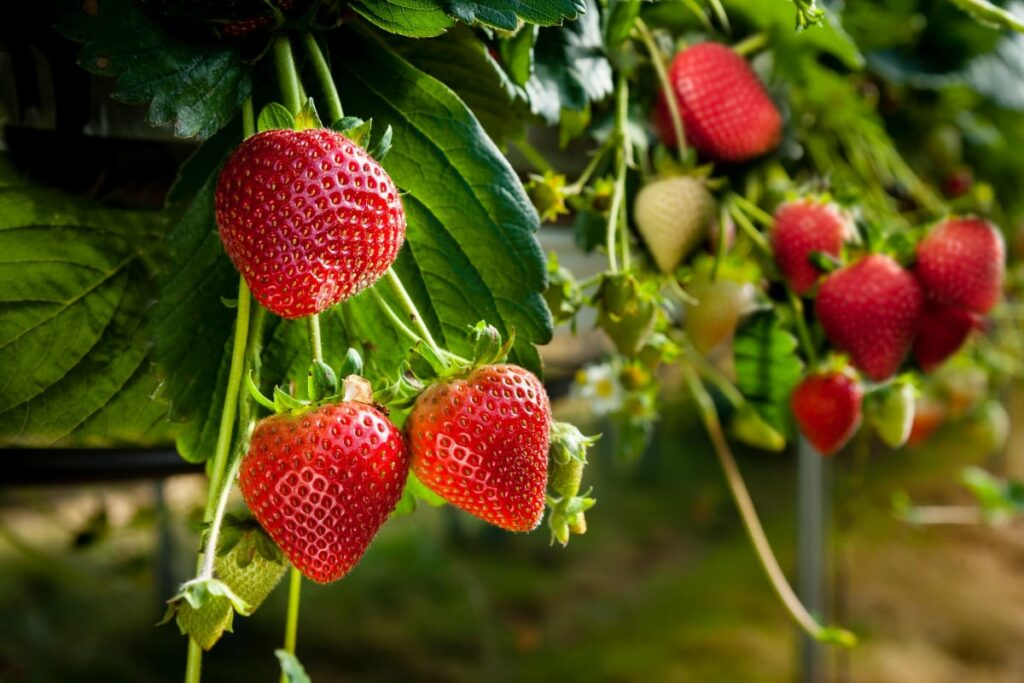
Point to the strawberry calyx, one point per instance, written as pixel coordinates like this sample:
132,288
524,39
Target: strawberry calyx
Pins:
322,386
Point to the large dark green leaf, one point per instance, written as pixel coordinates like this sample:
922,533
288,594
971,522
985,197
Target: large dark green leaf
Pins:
505,14
570,69
472,253
412,18
461,61
74,302
197,87
767,367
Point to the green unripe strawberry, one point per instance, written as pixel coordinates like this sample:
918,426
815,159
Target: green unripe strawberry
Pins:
891,412
208,623
248,561
749,427
673,215
567,457
626,312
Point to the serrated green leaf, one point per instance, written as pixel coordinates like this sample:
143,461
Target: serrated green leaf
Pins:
74,313
355,129
308,116
570,69
411,18
767,367
197,87
274,116
461,61
472,251
505,14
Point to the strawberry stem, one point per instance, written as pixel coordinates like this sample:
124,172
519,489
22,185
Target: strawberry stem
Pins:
752,524
801,326
315,343
658,60
323,74
411,312
749,228
287,76
750,44
621,137
291,626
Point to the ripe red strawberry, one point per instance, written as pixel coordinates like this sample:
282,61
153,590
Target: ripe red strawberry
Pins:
308,218
871,310
727,115
943,330
960,263
802,228
323,482
827,408
481,443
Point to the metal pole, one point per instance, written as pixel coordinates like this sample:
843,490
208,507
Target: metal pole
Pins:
811,529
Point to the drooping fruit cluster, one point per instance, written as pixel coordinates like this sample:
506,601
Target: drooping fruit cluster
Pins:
481,443
322,483
726,113
827,408
308,217
802,228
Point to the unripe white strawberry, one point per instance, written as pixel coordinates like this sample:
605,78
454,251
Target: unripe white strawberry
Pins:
673,215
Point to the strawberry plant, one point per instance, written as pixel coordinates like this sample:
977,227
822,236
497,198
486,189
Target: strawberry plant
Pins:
340,307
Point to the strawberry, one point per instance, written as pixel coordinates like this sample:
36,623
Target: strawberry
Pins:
960,263
673,215
248,561
929,415
827,410
207,624
871,310
308,217
727,115
942,332
322,483
802,228
481,443
719,306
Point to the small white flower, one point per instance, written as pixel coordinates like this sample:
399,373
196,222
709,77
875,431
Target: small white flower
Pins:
600,385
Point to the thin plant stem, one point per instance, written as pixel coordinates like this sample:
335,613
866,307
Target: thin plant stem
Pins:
658,60
618,194
752,524
753,210
315,344
287,76
802,332
751,231
595,161
291,626
323,75
751,44
409,307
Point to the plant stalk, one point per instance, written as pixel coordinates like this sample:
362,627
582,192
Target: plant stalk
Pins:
292,622
658,60
323,75
287,76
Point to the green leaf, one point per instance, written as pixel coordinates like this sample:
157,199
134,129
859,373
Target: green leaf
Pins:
517,53
504,14
275,117
74,310
767,367
196,86
461,61
570,69
472,251
411,18
291,667
991,15
413,494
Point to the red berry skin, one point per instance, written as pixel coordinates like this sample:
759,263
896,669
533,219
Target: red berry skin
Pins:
961,263
481,443
942,332
308,217
871,310
827,408
322,483
802,228
727,115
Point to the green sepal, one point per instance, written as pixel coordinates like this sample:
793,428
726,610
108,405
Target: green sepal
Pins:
402,392
284,402
568,517
824,261
257,395
291,668
355,129
383,145
275,116
488,347
307,117
199,591
321,381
